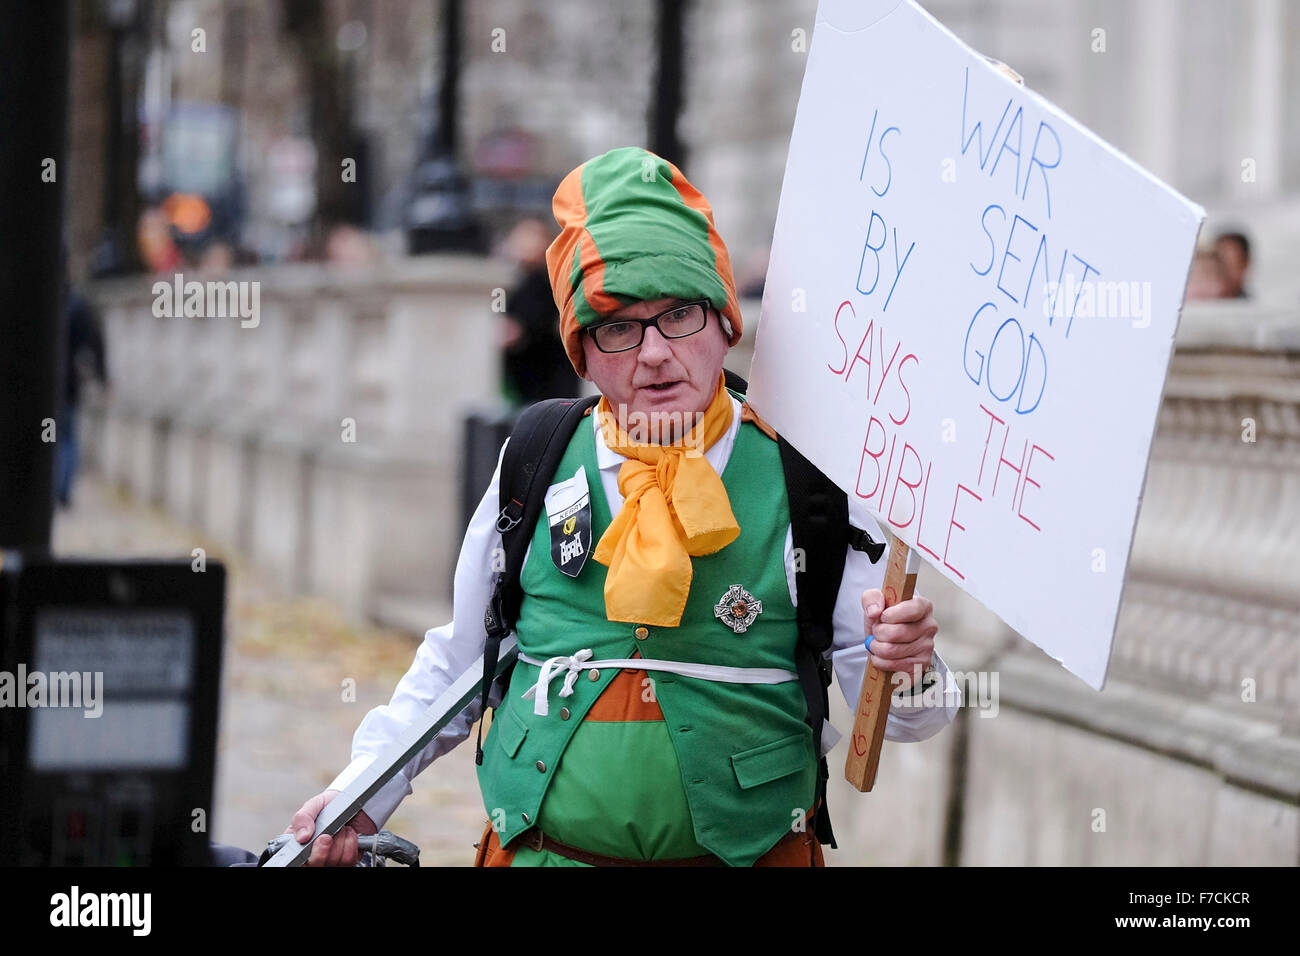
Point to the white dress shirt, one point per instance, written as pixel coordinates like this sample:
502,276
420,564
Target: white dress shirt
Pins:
448,651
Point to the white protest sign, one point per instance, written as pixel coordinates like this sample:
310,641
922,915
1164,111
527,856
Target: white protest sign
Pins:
968,318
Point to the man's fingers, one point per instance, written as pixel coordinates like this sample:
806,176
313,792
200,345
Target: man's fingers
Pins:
337,847
918,650
915,608
904,664
303,824
906,634
320,851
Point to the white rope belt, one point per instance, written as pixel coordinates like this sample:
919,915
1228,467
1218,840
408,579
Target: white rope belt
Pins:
575,664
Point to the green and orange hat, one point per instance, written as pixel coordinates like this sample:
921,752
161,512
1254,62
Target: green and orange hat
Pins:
632,228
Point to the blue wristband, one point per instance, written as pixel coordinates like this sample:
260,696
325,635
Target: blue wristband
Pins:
867,643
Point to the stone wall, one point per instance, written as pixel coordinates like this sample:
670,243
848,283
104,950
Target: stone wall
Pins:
1191,754
323,442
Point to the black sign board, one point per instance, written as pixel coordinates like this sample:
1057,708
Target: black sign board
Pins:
109,688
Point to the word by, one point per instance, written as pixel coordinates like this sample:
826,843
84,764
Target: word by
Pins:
102,909
58,689
873,267
208,300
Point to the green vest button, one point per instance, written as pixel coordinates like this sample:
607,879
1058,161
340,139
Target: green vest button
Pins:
525,816
541,766
564,713
642,633
594,675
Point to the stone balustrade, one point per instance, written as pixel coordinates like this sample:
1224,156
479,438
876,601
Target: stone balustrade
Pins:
1195,742
322,440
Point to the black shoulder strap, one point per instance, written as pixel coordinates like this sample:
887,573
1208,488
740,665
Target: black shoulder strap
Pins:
819,526
537,443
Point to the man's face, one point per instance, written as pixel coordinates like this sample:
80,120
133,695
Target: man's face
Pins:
660,376
1233,258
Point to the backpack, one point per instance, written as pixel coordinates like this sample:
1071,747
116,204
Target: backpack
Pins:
820,526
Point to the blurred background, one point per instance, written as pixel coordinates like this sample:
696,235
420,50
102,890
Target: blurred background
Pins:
375,179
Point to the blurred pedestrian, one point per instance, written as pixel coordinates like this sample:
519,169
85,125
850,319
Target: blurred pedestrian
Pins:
534,364
157,249
83,359
1233,252
1206,280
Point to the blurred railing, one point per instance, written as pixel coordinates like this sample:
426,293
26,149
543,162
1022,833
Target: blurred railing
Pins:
319,438
242,432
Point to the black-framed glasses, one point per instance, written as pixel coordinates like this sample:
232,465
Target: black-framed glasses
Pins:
675,322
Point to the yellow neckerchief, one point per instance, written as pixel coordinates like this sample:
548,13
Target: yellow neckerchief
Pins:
674,506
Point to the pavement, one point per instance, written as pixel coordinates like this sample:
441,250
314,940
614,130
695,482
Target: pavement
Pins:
288,711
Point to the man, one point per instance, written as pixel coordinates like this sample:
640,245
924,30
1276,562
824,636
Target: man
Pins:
1233,252
83,359
533,364
677,734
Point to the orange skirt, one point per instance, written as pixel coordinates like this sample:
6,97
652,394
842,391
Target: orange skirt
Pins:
800,850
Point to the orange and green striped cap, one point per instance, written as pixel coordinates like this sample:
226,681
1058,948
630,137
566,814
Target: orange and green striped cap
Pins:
632,228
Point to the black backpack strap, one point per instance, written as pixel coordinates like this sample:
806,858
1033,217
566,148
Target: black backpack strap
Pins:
819,520
821,533
734,382
537,443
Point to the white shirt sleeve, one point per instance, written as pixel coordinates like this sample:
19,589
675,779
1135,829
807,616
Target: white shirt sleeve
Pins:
848,652
446,653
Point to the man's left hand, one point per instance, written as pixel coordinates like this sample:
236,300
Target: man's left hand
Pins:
903,633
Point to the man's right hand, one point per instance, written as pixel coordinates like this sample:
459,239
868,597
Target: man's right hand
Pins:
339,850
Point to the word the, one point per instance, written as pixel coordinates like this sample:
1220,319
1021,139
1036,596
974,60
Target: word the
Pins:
102,909
57,689
210,300
1020,466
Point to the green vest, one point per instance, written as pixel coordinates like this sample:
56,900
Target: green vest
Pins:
744,752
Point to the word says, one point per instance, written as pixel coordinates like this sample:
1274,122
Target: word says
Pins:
847,366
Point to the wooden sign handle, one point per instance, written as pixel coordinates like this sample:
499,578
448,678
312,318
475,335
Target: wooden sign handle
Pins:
873,702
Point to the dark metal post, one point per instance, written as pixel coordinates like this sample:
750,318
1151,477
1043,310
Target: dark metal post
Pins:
33,124
666,105
449,90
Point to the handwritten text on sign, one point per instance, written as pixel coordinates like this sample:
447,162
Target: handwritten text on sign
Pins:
968,318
